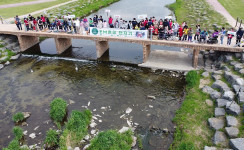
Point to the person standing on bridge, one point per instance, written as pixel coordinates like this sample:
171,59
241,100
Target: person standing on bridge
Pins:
18,22
239,35
222,35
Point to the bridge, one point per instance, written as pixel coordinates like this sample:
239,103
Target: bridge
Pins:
64,41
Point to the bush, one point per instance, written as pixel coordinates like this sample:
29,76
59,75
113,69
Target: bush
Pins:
58,109
186,146
111,140
192,79
78,122
76,128
18,133
51,138
18,117
13,145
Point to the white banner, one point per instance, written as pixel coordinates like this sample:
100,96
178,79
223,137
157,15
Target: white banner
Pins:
141,34
144,16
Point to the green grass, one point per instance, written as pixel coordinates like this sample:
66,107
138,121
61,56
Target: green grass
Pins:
234,7
192,131
197,12
81,12
18,133
9,55
76,129
51,138
4,2
58,108
21,10
112,140
13,145
18,117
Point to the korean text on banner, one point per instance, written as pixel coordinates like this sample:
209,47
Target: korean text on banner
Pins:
141,34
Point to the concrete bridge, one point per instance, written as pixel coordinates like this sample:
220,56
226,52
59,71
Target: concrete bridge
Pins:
63,41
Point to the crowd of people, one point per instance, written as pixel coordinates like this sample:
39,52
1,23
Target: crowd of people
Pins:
162,28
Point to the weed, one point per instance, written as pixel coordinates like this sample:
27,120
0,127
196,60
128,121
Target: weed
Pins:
192,79
13,145
139,141
58,109
76,128
18,133
186,146
111,140
18,117
51,138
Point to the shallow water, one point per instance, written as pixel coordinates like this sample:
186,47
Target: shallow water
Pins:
103,84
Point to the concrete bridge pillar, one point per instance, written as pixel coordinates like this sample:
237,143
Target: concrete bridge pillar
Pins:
101,47
27,42
195,58
62,44
146,52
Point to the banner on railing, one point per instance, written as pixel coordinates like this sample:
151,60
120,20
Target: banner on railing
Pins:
141,34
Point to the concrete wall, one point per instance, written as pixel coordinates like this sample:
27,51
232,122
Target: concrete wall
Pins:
62,44
26,42
101,48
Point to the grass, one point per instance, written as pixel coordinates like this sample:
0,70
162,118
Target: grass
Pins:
192,131
76,129
18,117
112,140
81,8
58,109
13,145
4,2
51,138
234,7
22,10
197,12
9,55
18,133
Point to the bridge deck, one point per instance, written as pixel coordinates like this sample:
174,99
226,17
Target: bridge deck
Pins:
12,29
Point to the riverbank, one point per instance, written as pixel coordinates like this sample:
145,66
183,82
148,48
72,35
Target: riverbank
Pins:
211,116
235,8
197,12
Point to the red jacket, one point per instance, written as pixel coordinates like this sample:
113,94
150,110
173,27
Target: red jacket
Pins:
180,32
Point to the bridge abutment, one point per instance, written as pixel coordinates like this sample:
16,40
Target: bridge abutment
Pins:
62,44
146,52
27,42
195,58
101,48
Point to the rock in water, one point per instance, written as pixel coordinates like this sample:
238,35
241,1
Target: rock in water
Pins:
134,141
32,135
151,97
26,114
124,129
128,110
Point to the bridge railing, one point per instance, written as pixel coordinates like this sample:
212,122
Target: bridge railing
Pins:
3,21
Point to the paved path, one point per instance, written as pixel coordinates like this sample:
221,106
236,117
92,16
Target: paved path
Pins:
220,9
41,11
25,3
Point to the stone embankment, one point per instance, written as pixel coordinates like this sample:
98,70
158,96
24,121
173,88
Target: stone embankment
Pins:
227,96
9,49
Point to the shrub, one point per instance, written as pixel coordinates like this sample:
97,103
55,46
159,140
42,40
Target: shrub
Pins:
58,109
18,133
76,128
192,79
78,122
13,145
51,138
111,140
18,117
